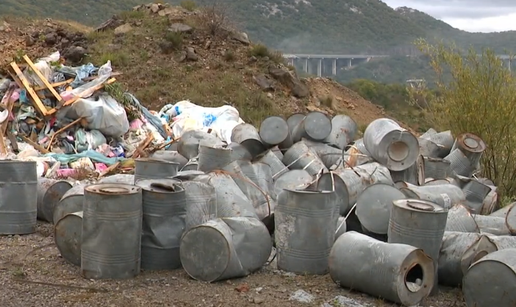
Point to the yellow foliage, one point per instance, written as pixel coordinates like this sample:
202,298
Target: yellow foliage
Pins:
479,98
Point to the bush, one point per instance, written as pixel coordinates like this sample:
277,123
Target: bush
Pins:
259,50
176,39
480,98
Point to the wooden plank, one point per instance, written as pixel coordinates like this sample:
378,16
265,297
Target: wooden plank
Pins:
38,147
38,104
57,84
42,78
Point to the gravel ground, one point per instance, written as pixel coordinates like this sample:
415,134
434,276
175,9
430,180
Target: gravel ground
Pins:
34,274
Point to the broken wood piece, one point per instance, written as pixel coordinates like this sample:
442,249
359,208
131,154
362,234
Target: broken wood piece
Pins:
57,84
139,151
61,130
42,78
25,84
167,143
38,147
109,169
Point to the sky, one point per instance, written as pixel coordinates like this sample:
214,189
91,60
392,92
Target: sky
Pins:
467,15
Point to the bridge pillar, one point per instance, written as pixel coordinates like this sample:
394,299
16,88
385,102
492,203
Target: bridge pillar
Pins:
349,63
305,65
334,67
319,68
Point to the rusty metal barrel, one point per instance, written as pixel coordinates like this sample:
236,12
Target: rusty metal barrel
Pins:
154,169
293,120
225,248
111,231
201,200
293,180
19,200
343,131
300,156
50,192
275,163
437,168
188,144
471,145
164,214
390,144
490,281
298,250
118,178
239,152
170,156
71,201
421,224
247,136
455,256
374,206
445,195
315,126
475,193
415,174
67,236
274,131
461,219
492,224
397,272
459,163
510,219
212,158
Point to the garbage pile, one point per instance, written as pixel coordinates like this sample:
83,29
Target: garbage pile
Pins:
389,214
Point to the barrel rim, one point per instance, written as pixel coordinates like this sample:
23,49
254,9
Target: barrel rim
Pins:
118,189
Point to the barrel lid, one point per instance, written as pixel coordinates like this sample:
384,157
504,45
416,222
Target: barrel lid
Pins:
470,142
113,190
420,206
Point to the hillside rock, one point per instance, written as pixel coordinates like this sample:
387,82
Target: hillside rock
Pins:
180,28
123,29
287,78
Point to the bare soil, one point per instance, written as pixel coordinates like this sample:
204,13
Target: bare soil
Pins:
33,273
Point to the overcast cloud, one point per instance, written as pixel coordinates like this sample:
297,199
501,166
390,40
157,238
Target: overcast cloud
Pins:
468,15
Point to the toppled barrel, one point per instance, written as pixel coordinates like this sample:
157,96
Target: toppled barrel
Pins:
164,213
212,158
71,201
274,131
188,144
170,156
343,131
154,169
420,224
50,192
201,201
315,126
498,268
397,272
391,145
247,136
111,231
18,197
67,236
300,156
445,195
299,250
225,248
461,219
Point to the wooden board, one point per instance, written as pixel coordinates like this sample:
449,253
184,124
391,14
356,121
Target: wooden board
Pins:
37,102
42,78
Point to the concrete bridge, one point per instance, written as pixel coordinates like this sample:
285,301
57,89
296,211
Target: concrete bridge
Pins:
330,64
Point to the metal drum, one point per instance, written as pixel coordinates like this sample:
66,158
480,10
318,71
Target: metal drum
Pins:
274,131
247,136
201,201
50,192
111,231
67,236
490,281
510,219
305,230
471,145
118,178
18,197
212,158
71,202
445,195
154,169
188,144
475,193
300,156
459,163
492,224
420,224
437,168
315,126
391,145
225,248
296,179
277,167
164,214
460,219
415,174
343,131
397,272
170,156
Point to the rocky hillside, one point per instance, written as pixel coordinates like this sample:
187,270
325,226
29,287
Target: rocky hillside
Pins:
166,54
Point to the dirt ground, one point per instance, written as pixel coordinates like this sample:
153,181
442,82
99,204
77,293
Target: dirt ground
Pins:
32,273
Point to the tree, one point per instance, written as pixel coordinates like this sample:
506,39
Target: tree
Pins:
479,98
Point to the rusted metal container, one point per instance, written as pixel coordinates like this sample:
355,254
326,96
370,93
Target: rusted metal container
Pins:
445,195
356,155
436,144
212,158
67,236
164,215
71,202
225,248
455,256
390,144
374,206
471,145
510,220
341,227
437,168
188,144
201,201
459,163
118,178
277,167
170,156
475,193
415,174
421,224
329,155
397,272
296,179
50,192
154,169
230,200
502,212
315,126
498,268
247,136
492,224
19,200
192,165
274,131
300,156
111,231
299,250
343,131
293,120
460,219
239,152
